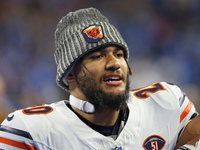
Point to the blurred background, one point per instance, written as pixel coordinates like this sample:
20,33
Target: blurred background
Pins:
163,38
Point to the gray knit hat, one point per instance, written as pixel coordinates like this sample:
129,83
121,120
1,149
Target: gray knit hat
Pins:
81,32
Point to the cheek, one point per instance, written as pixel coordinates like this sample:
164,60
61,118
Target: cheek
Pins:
95,68
125,67
95,72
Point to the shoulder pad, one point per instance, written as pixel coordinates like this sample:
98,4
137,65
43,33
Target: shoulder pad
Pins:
165,94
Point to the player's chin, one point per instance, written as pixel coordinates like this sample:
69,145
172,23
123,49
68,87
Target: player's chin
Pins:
118,90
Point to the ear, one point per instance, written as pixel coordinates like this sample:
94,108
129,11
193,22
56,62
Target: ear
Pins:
70,78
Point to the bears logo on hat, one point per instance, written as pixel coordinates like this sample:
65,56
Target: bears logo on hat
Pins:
93,33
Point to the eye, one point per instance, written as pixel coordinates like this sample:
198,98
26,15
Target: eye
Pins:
93,56
119,54
96,56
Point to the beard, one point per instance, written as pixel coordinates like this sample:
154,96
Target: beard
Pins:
99,98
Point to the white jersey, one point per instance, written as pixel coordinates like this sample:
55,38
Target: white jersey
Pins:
157,114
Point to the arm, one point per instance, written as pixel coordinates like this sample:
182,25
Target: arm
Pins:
14,135
191,133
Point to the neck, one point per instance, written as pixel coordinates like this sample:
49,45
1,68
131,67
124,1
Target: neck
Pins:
103,118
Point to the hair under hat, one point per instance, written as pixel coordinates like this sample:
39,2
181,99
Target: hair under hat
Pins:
81,32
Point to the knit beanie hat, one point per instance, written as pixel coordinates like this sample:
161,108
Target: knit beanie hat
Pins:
81,32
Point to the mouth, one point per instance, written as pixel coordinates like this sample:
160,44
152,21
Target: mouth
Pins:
113,79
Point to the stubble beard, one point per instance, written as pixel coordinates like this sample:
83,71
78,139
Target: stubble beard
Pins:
99,98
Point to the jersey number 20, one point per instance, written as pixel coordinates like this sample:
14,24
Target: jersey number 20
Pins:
142,93
37,110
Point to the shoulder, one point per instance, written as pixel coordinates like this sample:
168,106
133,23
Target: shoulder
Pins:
166,95
43,126
163,93
30,118
163,87
31,125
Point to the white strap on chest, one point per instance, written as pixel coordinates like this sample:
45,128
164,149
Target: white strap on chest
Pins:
81,105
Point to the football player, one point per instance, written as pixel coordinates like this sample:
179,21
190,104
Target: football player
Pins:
102,112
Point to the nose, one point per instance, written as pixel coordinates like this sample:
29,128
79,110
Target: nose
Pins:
112,63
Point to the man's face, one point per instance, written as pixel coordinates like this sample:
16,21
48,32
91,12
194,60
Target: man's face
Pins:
103,78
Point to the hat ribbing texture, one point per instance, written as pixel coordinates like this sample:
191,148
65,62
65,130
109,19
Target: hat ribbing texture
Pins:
71,43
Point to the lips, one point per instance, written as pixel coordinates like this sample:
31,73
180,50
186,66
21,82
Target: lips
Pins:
113,79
